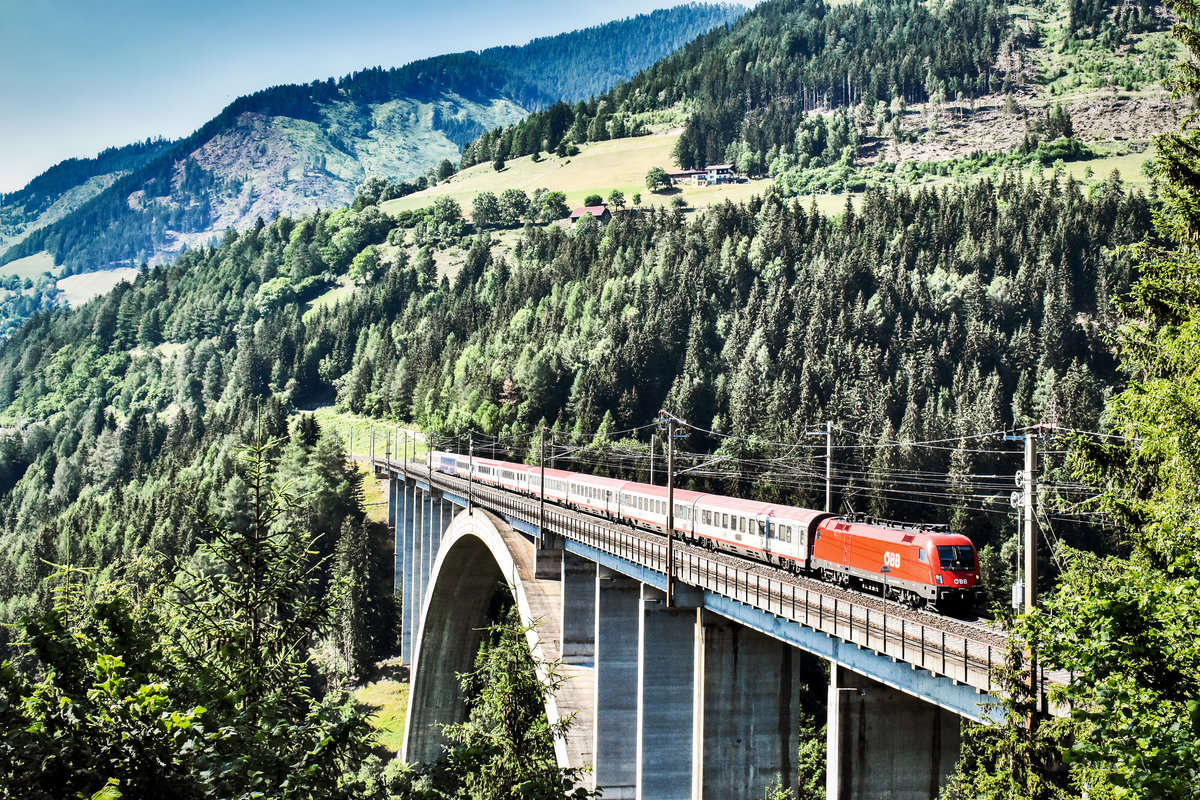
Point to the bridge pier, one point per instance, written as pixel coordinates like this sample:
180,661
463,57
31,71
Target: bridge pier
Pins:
618,609
409,600
578,609
883,743
666,689
746,728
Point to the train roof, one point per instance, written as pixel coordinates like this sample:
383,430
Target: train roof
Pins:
736,504
598,481
894,533
653,490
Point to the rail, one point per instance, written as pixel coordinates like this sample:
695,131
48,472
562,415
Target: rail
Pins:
964,659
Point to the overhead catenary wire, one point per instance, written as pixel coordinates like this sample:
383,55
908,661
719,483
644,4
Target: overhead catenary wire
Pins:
801,466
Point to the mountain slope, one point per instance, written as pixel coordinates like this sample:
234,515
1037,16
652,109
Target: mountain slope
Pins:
66,186
834,97
297,148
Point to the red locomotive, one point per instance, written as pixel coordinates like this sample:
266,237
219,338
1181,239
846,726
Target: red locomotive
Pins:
916,565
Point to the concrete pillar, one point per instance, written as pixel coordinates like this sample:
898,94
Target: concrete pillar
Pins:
393,503
746,726
406,530
442,517
618,614
884,743
418,554
548,559
667,645
578,609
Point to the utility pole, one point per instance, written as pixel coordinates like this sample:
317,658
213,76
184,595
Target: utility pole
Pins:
542,490
652,438
829,465
470,470
828,434
1027,500
404,448
371,445
1029,521
671,512
671,421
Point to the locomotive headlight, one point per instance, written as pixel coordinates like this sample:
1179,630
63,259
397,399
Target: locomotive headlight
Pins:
938,577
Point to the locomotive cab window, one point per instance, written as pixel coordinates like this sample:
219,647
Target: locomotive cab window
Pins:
956,556
922,556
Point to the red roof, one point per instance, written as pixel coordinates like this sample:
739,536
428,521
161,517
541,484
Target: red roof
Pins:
595,211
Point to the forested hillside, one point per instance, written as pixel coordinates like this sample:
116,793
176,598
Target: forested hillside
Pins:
785,58
839,97
291,149
67,185
921,316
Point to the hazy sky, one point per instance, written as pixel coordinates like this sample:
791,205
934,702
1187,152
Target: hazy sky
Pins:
77,76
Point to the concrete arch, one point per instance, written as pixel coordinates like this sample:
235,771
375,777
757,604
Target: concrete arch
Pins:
479,554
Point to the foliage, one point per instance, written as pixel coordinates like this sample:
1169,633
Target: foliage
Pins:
20,300
936,313
505,750
104,703
1123,630
200,688
751,86
657,179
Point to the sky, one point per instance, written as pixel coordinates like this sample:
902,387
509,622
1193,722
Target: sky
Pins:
77,76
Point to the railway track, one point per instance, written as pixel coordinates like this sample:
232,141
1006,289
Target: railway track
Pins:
963,650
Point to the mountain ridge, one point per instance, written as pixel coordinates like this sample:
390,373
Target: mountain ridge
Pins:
182,202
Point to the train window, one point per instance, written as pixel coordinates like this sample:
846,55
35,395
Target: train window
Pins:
956,556
724,520
789,533
922,556
742,524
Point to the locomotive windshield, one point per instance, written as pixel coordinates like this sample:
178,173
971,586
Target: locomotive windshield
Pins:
956,556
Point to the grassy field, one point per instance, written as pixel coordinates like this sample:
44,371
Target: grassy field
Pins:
330,298
78,289
346,424
387,698
1128,165
598,169
29,266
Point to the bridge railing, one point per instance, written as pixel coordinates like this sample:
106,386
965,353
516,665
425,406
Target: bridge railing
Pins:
939,649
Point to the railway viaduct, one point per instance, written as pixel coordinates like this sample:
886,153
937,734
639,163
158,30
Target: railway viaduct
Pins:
697,698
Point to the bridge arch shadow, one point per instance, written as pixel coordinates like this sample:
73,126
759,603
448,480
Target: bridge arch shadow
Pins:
480,560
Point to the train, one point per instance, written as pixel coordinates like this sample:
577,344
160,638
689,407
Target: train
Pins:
921,566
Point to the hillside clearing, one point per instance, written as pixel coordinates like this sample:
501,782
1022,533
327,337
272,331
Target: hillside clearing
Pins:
78,289
29,266
598,169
